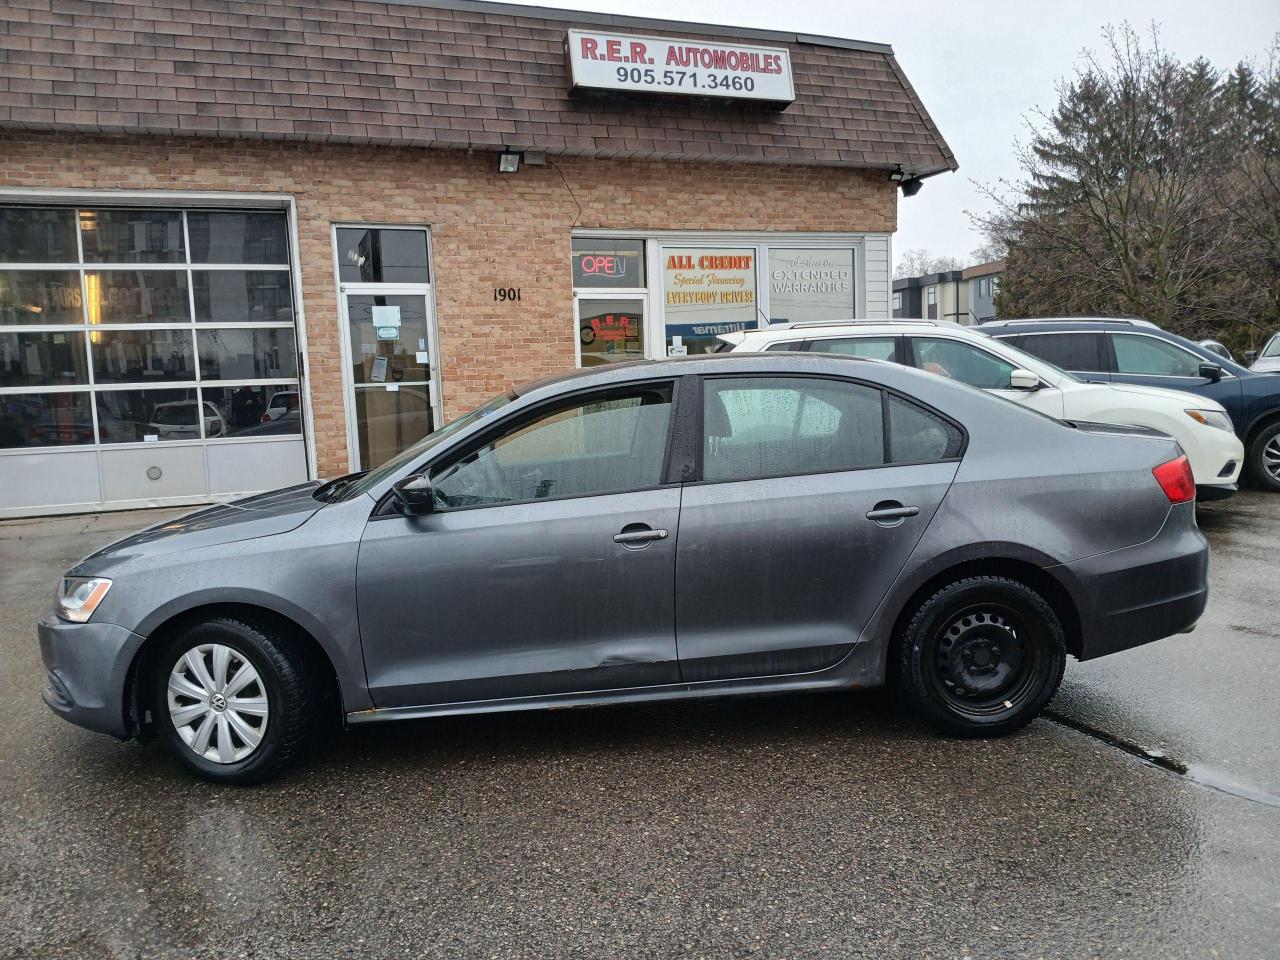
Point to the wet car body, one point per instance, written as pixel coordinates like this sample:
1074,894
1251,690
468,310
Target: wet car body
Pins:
765,585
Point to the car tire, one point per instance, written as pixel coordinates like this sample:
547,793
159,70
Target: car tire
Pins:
981,657
237,728
1264,449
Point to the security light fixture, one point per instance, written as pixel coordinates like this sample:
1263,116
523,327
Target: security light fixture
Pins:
911,187
508,161
897,174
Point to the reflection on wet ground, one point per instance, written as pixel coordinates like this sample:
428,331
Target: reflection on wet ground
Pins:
790,826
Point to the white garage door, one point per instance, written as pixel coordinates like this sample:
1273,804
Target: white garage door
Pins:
147,356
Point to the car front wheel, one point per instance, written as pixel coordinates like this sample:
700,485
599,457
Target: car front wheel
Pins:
981,657
233,701
1264,458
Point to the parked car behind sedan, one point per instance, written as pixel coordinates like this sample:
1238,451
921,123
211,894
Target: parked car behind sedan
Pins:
741,524
1127,351
968,355
1267,360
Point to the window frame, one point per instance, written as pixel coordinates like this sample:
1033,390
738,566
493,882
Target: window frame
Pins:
699,447
526,415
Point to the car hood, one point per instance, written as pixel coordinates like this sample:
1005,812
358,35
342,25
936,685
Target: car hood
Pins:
1185,399
262,515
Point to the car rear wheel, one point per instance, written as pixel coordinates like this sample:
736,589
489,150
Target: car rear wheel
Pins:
234,702
981,657
1263,458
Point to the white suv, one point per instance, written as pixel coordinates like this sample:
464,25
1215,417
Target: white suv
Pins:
1199,424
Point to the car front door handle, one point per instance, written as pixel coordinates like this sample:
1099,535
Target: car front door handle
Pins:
630,538
889,511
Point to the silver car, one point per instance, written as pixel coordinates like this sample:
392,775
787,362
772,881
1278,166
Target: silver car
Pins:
740,524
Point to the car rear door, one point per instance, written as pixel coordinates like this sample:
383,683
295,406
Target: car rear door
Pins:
809,495
548,566
1082,352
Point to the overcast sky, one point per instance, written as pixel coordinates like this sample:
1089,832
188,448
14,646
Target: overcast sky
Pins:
980,69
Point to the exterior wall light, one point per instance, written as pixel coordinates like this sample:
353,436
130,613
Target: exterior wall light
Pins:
897,174
508,161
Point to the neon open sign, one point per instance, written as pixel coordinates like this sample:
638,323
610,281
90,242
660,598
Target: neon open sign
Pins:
602,265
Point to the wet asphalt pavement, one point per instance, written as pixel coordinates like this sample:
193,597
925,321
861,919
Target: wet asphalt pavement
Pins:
796,826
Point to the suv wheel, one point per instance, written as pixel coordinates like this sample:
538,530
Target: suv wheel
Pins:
1263,458
982,657
232,701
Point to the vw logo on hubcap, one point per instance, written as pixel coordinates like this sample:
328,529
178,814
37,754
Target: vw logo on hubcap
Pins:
218,702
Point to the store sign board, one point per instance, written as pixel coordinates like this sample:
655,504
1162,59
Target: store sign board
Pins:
709,287
674,67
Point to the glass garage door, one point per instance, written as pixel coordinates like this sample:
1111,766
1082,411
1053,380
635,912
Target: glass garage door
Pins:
147,356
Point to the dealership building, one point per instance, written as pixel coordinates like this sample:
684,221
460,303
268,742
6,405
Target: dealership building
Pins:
240,250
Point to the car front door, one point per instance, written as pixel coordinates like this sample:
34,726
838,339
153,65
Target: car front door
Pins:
1153,362
547,566
805,510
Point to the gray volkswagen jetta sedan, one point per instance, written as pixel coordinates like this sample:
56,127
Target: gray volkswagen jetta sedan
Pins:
710,526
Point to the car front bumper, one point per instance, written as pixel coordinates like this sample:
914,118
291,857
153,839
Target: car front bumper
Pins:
88,666
1146,592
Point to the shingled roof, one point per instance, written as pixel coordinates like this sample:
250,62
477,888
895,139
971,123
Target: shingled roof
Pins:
431,73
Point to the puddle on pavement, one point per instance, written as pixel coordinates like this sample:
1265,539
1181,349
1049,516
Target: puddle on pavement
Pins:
1194,773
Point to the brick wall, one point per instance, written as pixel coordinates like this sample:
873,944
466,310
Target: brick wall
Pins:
488,230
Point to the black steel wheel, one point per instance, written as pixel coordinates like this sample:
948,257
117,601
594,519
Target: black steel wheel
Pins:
982,656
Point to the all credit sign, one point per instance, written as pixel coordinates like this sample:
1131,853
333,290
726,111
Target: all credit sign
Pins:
690,68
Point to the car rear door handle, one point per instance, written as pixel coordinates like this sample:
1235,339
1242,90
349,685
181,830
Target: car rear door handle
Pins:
630,537
890,510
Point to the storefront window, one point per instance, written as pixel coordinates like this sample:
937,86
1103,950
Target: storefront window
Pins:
707,291
38,235
610,330
808,286
372,255
608,264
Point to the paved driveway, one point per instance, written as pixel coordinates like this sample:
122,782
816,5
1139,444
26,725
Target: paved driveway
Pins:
788,827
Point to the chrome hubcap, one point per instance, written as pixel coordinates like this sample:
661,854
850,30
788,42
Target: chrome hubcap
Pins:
1271,457
217,703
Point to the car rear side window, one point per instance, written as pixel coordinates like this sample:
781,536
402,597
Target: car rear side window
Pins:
873,348
775,426
791,345
602,443
918,436
1148,356
1070,351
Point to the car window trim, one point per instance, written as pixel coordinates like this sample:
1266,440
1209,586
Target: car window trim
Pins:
384,508
884,419
1177,346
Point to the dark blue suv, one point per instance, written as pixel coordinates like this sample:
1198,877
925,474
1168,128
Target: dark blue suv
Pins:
1136,351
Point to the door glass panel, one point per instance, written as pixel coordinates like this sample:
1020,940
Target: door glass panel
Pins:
244,237
387,421
40,297
131,416
137,296
241,296
42,359
45,420
139,356
811,285
1070,351
605,444
775,426
874,348
255,411
38,235
132,236
1152,357
247,354
963,362
371,255
918,436
388,334
610,330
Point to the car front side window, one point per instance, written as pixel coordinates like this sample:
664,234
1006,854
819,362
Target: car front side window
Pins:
1148,356
962,361
604,443
756,427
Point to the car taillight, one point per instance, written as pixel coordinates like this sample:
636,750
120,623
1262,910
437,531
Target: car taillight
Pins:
1176,480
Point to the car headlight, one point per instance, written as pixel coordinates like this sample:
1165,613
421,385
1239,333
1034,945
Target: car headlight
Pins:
78,597
1212,418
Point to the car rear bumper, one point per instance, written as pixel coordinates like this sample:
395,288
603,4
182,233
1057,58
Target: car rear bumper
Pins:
88,667
1208,492
1146,592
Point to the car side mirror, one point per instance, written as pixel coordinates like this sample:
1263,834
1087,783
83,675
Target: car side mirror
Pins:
1250,356
1024,380
414,495
1211,371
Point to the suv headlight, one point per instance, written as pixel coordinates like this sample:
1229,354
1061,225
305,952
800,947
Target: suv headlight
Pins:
1212,418
78,597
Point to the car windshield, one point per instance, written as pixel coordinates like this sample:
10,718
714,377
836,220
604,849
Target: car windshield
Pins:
364,482
1273,348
